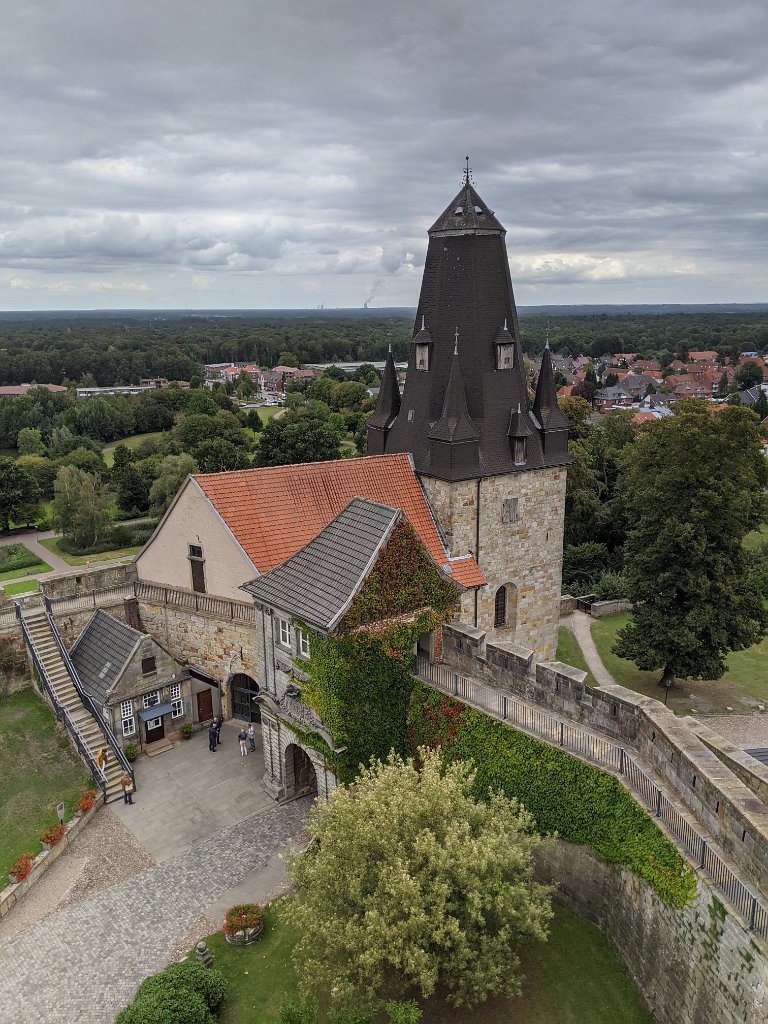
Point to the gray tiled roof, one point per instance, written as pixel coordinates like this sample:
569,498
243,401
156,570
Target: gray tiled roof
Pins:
317,584
102,651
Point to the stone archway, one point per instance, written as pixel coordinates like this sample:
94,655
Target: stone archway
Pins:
245,689
300,774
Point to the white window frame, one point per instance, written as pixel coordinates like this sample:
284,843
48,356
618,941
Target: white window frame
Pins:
148,701
177,708
174,691
129,726
126,709
302,643
284,633
153,723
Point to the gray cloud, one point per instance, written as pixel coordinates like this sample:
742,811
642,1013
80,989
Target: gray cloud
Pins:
237,154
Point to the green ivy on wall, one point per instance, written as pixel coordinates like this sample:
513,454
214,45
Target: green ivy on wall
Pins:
360,680
577,801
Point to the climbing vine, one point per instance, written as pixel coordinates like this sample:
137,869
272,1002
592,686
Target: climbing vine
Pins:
578,802
360,680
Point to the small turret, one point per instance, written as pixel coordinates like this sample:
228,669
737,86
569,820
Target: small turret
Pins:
387,408
518,432
453,440
552,423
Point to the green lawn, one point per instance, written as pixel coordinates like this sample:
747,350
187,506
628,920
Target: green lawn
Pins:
24,587
757,537
572,979
568,651
266,412
742,688
30,570
133,441
37,769
52,543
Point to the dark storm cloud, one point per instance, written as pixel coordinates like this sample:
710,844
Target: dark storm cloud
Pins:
237,154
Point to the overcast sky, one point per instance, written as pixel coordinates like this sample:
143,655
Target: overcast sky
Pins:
243,154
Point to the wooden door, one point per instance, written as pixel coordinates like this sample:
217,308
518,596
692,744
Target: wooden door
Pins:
204,706
155,729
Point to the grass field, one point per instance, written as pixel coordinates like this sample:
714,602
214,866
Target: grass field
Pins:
30,570
37,769
23,587
52,543
568,650
130,442
742,688
573,978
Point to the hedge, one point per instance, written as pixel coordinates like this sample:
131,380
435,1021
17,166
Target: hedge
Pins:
566,796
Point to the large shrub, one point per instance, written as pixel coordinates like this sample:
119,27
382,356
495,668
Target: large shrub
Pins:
185,993
16,556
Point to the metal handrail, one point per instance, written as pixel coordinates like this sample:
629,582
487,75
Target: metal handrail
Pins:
85,696
62,713
564,734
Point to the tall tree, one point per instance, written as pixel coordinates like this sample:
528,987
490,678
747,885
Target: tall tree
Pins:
300,435
80,505
748,375
692,487
412,884
19,494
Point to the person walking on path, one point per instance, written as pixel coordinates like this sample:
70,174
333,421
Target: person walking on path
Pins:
251,736
127,783
212,736
218,722
243,737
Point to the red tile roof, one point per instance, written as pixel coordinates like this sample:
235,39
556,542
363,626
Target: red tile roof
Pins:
274,511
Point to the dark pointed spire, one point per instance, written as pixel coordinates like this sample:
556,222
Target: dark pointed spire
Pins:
387,408
545,407
455,424
519,426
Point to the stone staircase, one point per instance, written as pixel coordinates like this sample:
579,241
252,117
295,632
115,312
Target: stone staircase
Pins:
87,730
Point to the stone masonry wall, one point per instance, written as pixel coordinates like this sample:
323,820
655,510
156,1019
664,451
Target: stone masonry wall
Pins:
692,966
718,799
519,542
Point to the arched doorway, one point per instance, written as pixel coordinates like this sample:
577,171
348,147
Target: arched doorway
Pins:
505,607
304,776
244,692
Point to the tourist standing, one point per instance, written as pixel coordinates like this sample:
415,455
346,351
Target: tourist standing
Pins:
127,783
212,736
218,722
251,736
243,737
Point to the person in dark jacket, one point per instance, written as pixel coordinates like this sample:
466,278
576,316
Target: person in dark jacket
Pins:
218,722
212,736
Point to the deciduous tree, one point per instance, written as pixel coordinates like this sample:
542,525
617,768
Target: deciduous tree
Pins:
80,507
412,884
692,487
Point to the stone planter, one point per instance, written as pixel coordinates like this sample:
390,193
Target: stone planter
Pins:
246,936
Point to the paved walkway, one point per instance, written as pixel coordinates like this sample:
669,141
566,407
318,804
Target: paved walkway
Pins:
580,624
144,882
31,539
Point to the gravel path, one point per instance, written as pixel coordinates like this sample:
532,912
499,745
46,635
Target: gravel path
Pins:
580,624
750,732
83,962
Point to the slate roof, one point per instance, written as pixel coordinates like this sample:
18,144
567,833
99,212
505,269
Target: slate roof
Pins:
102,651
274,511
467,288
318,583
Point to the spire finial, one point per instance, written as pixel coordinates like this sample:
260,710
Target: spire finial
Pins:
389,348
456,342
466,172
505,324
546,343
423,321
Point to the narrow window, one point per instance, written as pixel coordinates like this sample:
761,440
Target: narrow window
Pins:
509,511
422,357
284,633
303,643
500,616
519,451
148,666
505,357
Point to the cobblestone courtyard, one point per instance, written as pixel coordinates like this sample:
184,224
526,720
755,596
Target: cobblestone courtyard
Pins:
81,963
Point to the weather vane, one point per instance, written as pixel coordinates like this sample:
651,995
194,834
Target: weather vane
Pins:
468,173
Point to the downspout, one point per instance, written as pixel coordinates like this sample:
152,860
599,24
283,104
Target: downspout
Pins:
477,538
264,649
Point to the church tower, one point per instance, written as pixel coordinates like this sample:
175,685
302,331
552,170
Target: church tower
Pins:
492,465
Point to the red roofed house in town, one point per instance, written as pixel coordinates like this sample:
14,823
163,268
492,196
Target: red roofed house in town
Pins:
703,357
15,390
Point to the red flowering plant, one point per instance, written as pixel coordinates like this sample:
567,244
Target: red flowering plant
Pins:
22,867
243,916
52,835
86,801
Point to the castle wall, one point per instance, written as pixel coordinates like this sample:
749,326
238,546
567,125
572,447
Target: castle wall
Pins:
513,525
698,965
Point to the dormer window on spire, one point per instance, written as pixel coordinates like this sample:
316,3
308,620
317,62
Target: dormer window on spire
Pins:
505,349
423,345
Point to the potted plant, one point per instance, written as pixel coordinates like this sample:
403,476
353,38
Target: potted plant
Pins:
86,802
21,868
52,835
131,751
243,924
186,731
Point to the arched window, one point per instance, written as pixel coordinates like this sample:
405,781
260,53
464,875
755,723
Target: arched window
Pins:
500,617
505,607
